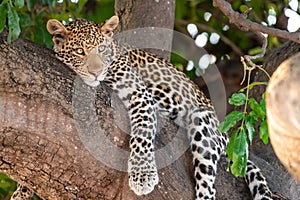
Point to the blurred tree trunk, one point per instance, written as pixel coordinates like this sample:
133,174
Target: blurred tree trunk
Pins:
40,146
136,14
278,177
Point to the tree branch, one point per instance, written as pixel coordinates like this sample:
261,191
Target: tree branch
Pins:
245,24
40,143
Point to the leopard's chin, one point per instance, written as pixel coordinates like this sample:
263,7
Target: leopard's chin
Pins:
91,81
94,83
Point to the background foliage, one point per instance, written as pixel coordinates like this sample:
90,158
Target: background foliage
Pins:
27,19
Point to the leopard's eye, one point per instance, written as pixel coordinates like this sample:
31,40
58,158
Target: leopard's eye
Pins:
80,51
101,48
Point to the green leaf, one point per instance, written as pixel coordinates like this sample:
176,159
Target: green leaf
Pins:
263,96
3,13
19,3
4,184
254,51
51,4
179,66
81,4
25,20
230,145
240,154
249,125
13,24
3,176
30,4
240,143
263,132
230,120
260,111
180,9
243,8
225,126
237,99
262,103
239,165
253,115
234,116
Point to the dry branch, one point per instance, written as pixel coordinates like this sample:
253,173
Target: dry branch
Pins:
245,24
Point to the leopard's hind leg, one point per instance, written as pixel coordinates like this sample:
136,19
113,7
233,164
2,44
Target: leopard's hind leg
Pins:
207,145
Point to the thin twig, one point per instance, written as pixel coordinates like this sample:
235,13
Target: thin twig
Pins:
260,55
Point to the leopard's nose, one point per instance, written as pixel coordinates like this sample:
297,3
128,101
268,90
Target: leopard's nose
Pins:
95,73
94,64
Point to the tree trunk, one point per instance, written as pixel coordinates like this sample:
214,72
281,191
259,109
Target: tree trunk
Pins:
141,14
283,108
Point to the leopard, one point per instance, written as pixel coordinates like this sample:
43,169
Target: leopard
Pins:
22,193
149,86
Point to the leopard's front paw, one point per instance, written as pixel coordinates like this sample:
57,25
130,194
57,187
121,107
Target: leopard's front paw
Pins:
143,182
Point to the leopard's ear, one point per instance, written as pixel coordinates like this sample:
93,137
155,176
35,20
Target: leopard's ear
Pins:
58,31
109,26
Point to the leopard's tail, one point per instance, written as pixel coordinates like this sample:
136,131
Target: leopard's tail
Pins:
258,185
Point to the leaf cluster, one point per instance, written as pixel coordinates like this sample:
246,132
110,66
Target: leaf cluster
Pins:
243,126
8,10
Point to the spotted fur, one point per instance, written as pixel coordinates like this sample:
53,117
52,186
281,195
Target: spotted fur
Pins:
22,193
258,185
148,86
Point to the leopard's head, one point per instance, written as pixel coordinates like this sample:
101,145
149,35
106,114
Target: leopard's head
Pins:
85,46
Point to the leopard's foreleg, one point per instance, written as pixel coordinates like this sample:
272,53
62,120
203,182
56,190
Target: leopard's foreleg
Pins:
143,120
